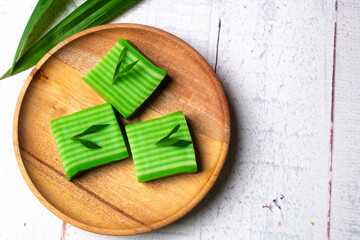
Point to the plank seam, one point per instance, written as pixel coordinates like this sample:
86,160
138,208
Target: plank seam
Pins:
217,45
332,118
63,230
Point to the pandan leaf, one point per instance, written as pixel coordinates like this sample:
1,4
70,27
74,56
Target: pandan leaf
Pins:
173,142
88,144
167,141
126,69
91,13
120,59
92,129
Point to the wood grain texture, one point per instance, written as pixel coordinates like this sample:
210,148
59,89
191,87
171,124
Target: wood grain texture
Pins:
109,200
345,204
275,63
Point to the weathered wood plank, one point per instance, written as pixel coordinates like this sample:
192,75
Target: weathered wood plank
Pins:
22,215
275,61
189,20
345,203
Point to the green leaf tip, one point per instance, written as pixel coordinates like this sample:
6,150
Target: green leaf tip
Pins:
90,130
313,223
167,141
7,74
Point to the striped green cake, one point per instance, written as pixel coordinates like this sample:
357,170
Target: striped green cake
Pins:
133,88
75,156
153,161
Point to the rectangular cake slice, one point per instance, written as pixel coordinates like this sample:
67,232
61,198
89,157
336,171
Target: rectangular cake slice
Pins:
88,138
130,90
161,147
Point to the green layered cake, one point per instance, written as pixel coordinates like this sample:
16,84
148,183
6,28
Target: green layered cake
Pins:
161,147
133,86
88,138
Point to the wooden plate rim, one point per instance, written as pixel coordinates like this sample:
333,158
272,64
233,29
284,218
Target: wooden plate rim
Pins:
201,194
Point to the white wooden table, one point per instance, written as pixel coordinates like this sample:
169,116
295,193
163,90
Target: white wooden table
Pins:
291,72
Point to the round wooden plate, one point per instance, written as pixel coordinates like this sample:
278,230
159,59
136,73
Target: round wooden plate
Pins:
109,199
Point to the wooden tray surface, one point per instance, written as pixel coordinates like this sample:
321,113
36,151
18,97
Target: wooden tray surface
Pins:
109,200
